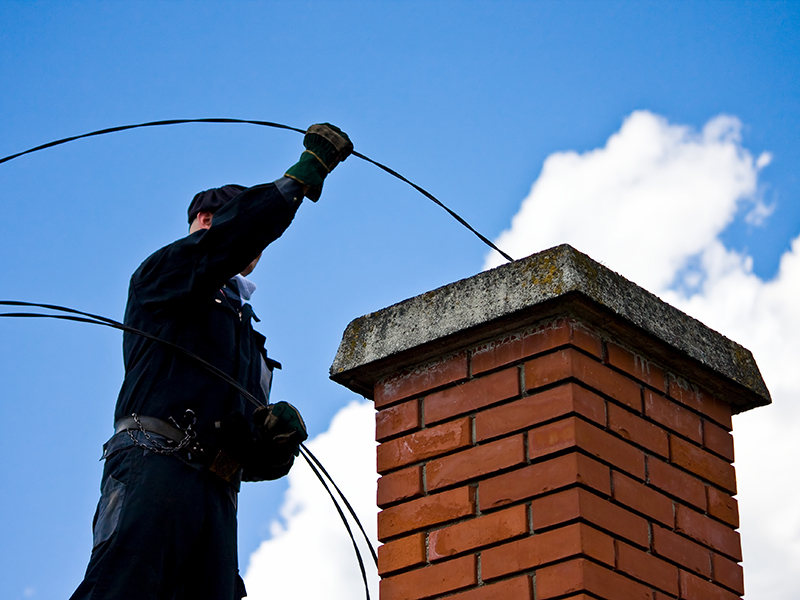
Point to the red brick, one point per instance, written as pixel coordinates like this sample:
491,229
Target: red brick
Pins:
636,366
531,552
425,512
397,419
573,432
608,382
703,464
400,485
424,444
539,408
643,499
637,430
723,506
682,551
474,462
673,416
548,369
694,588
421,379
581,575
701,401
518,588
728,573
401,553
517,346
676,482
476,533
567,363
472,395
720,411
432,580
586,339
577,503
716,439
535,480
647,568
522,345
716,535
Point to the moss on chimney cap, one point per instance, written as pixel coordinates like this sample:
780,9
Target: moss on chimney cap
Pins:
556,282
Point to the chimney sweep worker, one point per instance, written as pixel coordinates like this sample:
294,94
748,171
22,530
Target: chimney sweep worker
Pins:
165,526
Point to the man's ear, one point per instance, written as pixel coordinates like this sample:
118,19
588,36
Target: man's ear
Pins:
205,219
201,221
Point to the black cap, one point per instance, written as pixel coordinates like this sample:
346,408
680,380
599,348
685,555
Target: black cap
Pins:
213,199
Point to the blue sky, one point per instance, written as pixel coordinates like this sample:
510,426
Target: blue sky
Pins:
468,99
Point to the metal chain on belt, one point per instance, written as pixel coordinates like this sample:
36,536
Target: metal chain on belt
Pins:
157,447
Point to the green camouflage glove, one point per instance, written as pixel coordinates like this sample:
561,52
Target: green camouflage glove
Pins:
280,424
279,432
326,146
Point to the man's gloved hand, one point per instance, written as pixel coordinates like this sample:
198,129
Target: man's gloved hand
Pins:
280,424
326,146
279,432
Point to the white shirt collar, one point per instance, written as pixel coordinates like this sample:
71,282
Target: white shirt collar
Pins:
246,287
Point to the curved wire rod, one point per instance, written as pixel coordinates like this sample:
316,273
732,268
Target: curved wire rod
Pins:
392,172
84,317
433,198
347,504
303,451
148,124
64,309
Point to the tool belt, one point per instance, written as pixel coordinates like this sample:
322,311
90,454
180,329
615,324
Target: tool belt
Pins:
185,445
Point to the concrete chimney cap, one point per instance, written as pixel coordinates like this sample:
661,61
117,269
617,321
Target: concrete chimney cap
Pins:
557,282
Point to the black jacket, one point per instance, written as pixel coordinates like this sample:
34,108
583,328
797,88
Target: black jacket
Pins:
176,294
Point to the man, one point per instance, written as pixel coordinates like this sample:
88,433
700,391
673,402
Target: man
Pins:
165,526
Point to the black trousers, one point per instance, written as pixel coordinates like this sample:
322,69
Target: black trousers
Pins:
162,531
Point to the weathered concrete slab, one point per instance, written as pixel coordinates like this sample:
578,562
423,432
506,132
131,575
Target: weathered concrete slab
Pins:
559,281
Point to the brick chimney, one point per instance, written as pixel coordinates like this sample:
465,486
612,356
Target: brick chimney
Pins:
549,430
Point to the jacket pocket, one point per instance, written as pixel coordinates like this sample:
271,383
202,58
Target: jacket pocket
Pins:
108,510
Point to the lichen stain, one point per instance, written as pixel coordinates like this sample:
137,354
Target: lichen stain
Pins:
352,337
429,297
542,272
746,372
591,274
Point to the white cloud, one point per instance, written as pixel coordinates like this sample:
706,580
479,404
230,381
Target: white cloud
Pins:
309,554
663,189
651,204
764,159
